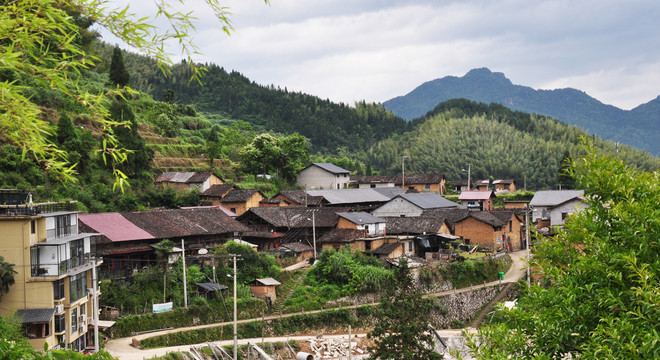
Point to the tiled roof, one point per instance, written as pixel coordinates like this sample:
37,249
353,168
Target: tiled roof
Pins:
350,196
555,197
476,195
332,168
386,249
390,191
295,216
411,179
267,282
504,181
429,200
488,217
452,215
211,286
301,197
297,247
341,235
218,190
361,217
177,222
114,226
482,182
240,195
413,225
184,177
32,316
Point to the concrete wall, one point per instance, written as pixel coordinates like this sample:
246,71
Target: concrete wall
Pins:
317,178
566,208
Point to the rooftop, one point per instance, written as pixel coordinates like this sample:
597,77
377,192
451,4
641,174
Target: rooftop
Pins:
361,217
331,168
555,197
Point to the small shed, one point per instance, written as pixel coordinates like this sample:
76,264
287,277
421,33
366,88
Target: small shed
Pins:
264,289
208,289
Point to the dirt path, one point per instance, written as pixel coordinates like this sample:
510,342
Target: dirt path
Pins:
121,348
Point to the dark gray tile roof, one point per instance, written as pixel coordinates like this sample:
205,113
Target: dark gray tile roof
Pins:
341,236
218,190
240,195
386,249
31,316
411,179
211,286
301,197
170,223
361,217
294,216
414,225
429,200
332,168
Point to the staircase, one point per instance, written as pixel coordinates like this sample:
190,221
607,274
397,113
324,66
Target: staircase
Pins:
291,287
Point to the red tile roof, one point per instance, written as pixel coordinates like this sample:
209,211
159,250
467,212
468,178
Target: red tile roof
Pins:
114,226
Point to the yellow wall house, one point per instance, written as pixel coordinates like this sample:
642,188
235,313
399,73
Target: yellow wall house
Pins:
53,294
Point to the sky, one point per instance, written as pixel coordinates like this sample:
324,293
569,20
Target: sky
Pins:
375,50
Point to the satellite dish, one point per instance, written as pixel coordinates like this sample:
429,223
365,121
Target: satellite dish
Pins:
202,251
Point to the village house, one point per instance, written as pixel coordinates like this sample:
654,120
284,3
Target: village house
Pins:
413,204
265,289
127,238
482,185
494,230
214,194
298,250
459,186
477,200
54,287
299,198
553,207
201,180
356,199
271,227
504,186
420,182
323,176
361,221
241,200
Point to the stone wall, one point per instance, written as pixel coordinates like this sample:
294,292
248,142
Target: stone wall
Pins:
463,306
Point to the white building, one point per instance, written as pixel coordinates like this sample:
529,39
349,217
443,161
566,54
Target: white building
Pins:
323,176
556,205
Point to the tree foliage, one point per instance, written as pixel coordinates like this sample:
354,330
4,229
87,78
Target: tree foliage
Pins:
118,73
602,271
402,329
285,156
7,273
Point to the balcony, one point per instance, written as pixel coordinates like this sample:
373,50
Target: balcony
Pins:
36,209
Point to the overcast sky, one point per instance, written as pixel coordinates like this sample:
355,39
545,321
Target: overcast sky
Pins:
374,50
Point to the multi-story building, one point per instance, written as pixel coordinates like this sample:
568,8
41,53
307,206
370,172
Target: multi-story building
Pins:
53,294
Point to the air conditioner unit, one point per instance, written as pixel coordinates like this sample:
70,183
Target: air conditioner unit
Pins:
59,309
82,319
83,328
90,291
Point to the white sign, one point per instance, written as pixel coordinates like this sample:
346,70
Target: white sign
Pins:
158,308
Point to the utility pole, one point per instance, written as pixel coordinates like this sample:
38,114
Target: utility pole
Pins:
185,286
468,171
527,243
314,232
403,171
235,320
95,309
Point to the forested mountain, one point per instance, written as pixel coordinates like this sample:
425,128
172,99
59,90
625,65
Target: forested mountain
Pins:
639,127
499,143
329,126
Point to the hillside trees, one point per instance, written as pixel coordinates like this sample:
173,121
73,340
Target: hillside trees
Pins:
284,156
603,299
42,42
118,73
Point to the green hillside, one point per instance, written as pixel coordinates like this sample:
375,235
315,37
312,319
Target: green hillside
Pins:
639,127
498,143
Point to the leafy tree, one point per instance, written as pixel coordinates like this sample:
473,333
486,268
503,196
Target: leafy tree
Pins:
603,299
6,276
39,40
401,332
163,250
121,112
65,129
118,73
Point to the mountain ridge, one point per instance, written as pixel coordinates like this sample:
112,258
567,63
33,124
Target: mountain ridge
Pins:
638,127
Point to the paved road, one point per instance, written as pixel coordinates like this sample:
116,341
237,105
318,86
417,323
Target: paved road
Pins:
121,348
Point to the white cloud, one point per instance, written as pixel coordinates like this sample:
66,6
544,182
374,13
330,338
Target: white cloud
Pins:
377,49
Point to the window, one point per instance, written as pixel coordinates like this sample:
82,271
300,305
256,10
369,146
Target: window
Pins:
410,246
427,187
58,289
510,226
60,323
77,286
77,249
232,210
63,225
373,186
33,227
74,320
367,245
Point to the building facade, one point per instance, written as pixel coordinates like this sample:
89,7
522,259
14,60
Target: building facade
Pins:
53,294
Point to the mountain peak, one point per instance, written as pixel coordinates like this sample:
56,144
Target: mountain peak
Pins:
486,74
